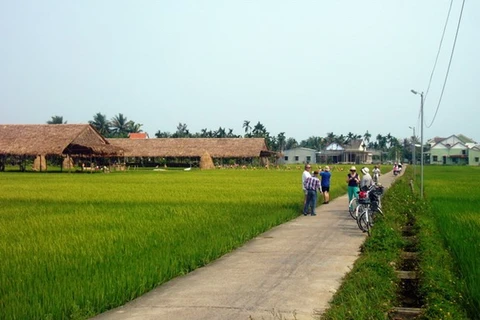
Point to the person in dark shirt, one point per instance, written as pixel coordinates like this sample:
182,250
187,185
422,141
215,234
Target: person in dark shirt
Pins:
325,176
353,181
312,184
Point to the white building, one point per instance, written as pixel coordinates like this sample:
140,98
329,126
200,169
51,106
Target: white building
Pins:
298,155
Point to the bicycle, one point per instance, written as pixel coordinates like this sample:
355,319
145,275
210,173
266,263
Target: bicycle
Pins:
352,207
369,203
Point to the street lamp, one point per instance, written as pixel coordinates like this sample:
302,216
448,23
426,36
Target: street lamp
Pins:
413,154
421,141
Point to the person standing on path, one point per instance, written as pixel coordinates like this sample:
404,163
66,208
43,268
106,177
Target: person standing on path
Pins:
376,174
312,184
326,175
367,180
306,174
353,181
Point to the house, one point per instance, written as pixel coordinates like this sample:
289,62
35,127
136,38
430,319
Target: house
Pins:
194,149
298,155
138,135
453,150
40,141
474,155
353,152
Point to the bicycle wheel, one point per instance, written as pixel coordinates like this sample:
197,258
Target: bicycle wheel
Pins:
352,207
360,208
377,207
364,221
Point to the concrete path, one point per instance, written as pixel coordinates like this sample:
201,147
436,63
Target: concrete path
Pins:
292,270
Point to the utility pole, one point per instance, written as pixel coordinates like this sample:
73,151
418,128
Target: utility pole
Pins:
414,158
421,141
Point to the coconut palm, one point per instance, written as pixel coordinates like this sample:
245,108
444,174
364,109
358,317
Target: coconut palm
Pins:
220,133
182,131
246,125
281,141
119,126
134,127
56,120
366,137
259,130
161,134
230,134
331,137
291,143
101,123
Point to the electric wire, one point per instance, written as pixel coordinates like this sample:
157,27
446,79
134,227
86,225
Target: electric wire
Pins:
449,64
438,51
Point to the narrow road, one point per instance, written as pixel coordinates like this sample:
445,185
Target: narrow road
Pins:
293,269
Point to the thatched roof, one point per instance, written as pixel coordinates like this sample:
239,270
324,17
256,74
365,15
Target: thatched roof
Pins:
54,139
193,147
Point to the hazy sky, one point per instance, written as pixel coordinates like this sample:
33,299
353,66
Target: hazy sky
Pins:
300,67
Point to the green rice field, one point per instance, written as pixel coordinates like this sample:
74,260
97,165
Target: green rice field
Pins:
454,197
73,245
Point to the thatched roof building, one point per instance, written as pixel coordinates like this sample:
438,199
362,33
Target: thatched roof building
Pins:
54,139
193,147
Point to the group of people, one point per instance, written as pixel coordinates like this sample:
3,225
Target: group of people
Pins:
355,184
312,183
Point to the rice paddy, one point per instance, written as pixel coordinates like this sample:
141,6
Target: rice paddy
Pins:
454,197
74,245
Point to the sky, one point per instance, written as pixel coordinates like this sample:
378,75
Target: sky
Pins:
304,68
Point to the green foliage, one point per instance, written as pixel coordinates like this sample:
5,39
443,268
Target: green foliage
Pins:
452,221
74,245
368,291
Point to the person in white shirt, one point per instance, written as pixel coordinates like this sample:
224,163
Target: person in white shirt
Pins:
306,174
376,174
367,180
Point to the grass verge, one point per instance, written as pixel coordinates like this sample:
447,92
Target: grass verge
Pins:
369,291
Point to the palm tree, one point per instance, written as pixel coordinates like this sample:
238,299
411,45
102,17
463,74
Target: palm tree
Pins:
281,140
246,125
259,130
203,133
382,145
366,137
340,139
331,137
220,133
182,131
349,138
230,134
291,143
119,126
56,120
161,134
134,127
312,143
101,123
389,140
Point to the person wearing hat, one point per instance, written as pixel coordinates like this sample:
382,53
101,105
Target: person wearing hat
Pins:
305,175
367,180
312,184
353,181
325,175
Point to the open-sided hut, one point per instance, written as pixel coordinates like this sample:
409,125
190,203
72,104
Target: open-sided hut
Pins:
42,140
195,148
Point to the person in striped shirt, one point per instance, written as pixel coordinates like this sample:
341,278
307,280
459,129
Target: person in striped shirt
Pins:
312,184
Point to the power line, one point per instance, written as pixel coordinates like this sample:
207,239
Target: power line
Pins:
438,52
449,64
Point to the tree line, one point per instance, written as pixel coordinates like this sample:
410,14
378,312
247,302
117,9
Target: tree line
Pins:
120,127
